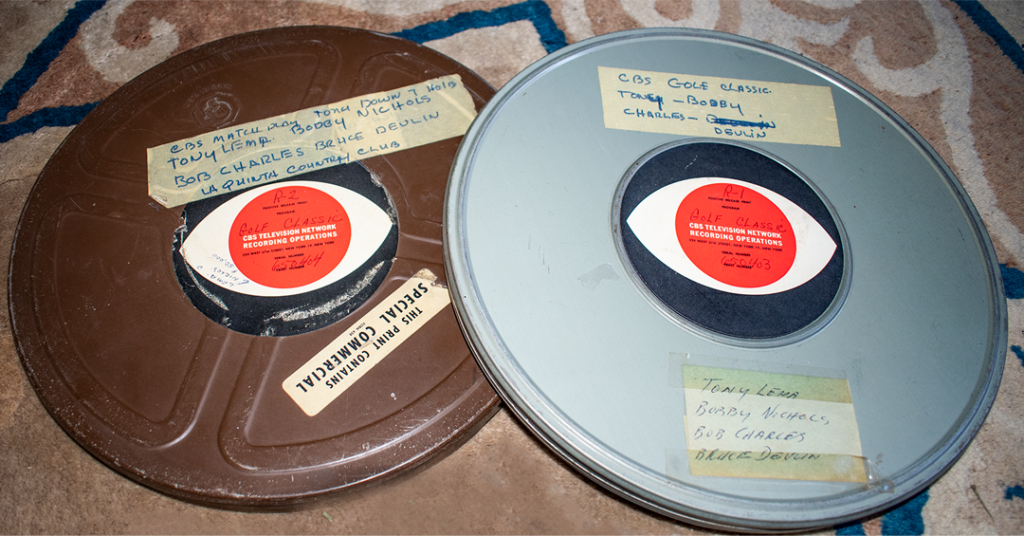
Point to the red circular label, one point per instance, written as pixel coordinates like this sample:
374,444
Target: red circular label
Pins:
289,237
735,235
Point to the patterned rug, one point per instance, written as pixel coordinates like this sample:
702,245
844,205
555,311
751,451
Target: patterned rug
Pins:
953,70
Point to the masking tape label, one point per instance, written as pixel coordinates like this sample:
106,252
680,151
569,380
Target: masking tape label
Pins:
743,110
255,153
766,425
352,354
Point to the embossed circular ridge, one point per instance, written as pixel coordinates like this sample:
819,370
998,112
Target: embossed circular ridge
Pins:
151,387
603,376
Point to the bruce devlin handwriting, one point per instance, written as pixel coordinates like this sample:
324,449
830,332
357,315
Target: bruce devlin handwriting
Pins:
768,425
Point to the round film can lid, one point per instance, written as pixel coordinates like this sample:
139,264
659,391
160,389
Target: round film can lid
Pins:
272,344
723,281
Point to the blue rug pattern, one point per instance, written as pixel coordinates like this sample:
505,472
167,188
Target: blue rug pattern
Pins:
906,519
534,11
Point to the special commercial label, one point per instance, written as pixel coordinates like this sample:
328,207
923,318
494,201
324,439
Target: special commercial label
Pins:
372,338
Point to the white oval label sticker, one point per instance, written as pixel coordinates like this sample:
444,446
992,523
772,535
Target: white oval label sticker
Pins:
285,239
732,235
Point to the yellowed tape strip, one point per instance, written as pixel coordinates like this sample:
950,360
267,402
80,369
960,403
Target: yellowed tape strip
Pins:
775,420
781,465
743,110
767,384
373,337
255,153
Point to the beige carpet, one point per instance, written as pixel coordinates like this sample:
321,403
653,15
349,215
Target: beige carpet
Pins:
935,63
